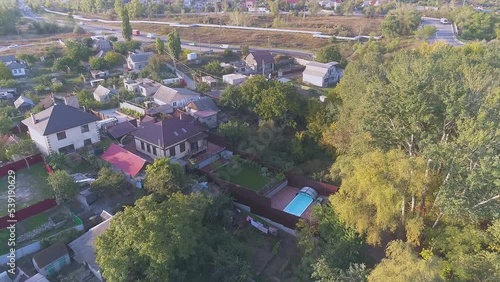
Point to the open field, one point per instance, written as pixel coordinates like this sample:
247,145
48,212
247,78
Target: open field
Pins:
31,187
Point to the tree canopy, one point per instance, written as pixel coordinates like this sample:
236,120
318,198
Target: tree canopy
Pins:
63,186
174,44
164,177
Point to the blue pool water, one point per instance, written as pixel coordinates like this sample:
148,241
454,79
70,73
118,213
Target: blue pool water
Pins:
299,204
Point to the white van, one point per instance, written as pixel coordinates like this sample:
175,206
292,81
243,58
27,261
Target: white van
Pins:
444,21
224,46
150,35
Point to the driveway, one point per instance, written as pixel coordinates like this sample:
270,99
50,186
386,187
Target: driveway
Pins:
444,32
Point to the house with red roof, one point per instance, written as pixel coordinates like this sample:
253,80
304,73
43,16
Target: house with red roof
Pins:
124,160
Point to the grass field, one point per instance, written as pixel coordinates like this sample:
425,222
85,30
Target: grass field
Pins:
34,222
248,176
31,187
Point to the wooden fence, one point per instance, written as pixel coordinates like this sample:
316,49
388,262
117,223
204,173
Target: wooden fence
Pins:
29,211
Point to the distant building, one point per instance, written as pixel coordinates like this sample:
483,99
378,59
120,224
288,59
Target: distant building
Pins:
322,75
204,110
103,94
144,86
176,97
17,67
51,260
258,60
23,104
234,78
137,62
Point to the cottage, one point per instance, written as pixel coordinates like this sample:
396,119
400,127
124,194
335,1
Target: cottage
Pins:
84,246
62,128
322,75
234,78
176,97
103,94
23,104
209,80
102,44
144,86
204,110
260,61
51,260
17,67
137,62
172,138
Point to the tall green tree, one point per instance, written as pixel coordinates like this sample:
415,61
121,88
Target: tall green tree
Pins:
328,54
164,177
160,46
5,72
402,264
110,181
126,28
118,5
271,106
174,44
63,186
401,21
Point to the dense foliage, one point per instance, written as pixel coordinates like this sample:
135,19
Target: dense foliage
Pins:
476,25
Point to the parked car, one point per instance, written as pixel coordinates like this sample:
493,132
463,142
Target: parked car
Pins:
224,46
13,46
444,21
192,44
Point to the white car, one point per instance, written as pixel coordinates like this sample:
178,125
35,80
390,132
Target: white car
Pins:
192,44
444,21
224,46
13,46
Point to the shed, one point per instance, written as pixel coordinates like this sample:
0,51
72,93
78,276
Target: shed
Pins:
234,78
192,56
52,259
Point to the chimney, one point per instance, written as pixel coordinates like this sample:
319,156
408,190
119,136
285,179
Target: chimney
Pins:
33,119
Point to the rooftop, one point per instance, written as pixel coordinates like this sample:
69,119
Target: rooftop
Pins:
123,159
141,57
167,132
50,254
168,95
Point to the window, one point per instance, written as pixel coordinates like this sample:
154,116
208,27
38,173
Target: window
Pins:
174,104
148,148
154,151
14,71
67,149
172,151
61,135
87,142
183,147
142,145
84,128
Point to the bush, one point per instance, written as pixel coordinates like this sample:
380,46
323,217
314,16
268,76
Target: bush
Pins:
79,30
65,236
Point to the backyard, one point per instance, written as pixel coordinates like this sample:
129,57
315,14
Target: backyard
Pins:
247,174
31,187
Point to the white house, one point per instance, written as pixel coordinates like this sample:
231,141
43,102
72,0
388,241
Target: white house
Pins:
103,94
176,97
17,67
51,260
144,86
62,128
172,138
234,78
137,62
204,110
322,75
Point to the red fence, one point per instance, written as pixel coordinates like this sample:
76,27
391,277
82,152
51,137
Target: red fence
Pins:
29,211
31,160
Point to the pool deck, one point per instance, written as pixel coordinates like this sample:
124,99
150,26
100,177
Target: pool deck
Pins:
281,199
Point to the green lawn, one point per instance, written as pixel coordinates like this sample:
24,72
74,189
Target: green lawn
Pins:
4,236
34,222
31,187
248,176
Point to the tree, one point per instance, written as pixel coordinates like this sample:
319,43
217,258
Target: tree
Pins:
112,38
271,106
402,21
473,25
65,63
328,54
118,5
403,264
126,28
98,63
234,131
113,59
57,161
136,9
5,72
425,33
174,44
24,148
397,179
231,98
110,180
28,58
63,186
78,50
245,50
164,177
213,67
184,234
160,46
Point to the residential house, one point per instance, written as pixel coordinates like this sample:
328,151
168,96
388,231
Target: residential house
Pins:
23,104
102,44
172,138
144,86
176,97
322,75
209,80
51,260
137,62
62,128
122,129
234,78
17,68
127,162
259,60
84,246
103,94
204,110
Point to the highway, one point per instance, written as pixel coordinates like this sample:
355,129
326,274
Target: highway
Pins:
444,32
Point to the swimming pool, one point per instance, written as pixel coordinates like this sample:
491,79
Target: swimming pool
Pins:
299,204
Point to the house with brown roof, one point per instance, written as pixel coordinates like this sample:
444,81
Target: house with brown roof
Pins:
259,60
204,110
176,97
51,260
172,138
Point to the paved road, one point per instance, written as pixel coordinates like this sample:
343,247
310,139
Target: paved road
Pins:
444,32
